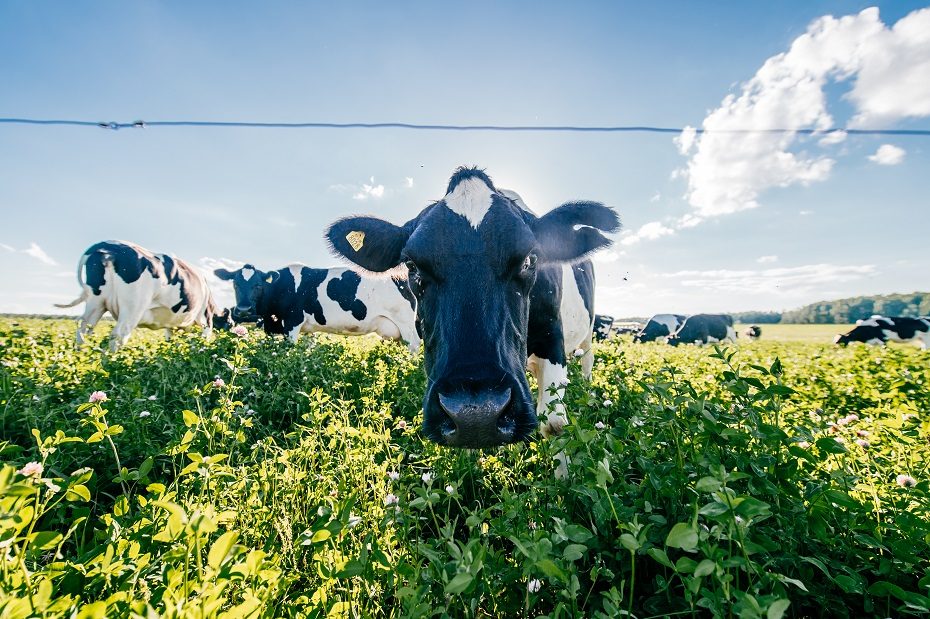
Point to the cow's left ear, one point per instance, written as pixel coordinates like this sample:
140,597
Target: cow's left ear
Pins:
574,230
271,277
371,243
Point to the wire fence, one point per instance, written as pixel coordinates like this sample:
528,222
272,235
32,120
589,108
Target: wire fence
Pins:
141,124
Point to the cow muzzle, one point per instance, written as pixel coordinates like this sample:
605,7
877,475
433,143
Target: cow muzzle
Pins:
482,419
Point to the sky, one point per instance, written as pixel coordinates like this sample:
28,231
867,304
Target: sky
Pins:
712,222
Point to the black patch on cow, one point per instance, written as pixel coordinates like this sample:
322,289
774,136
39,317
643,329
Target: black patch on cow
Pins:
128,261
174,277
906,328
655,329
584,278
282,308
544,333
702,327
344,290
404,289
602,326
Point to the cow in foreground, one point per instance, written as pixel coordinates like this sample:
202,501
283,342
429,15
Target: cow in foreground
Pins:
603,327
299,299
660,327
878,330
140,289
705,329
498,290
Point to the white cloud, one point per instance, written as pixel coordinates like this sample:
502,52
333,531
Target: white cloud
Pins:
39,254
6,247
729,169
793,280
369,190
647,232
767,259
833,137
805,213
888,154
282,221
656,197
408,182
606,257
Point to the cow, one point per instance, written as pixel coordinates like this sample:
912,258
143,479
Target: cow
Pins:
499,290
704,329
753,332
299,299
140,289
603,327
660,326
879,329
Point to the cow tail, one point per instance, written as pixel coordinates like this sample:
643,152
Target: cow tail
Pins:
80,277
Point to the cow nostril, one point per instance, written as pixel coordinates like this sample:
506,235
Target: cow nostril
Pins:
506,424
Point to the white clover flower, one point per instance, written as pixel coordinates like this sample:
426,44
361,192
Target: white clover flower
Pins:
393,475
578,352
353,521
600,425
862,433
863,443
240,330
31,469
563,382
219,382
608,403
35,398
450,489
803,444
905,481
839,439
390,499
426,477
401,424
52,487
97,396
153,397
532,525
144,413
534,585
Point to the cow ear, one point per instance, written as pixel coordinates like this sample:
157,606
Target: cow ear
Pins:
224,274
574,230
271,277
371,243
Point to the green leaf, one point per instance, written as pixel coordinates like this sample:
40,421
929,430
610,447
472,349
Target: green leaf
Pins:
221,548
629,542
682,536
750,508
190,418
777,609
459,583
78,492
320,536
830,446
352,568
573,552
705,568
550,569
44,540
578,533
708,484
659,555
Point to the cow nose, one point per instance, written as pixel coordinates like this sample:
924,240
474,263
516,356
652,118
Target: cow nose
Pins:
481,419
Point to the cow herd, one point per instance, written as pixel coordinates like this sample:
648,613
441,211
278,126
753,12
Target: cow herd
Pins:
486,286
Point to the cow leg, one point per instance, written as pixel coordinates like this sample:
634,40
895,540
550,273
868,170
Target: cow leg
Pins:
93,312
167,334
294,334
125,323
551,379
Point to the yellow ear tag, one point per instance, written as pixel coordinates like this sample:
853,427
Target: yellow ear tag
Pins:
268,279
356,239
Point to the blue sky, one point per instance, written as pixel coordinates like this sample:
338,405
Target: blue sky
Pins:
729,224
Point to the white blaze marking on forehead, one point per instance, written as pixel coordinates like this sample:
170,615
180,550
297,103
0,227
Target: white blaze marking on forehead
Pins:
297,272
247,273
471,199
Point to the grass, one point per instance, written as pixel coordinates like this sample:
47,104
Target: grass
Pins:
765,480
815,334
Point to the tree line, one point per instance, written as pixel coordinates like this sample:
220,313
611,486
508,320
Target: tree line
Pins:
845,311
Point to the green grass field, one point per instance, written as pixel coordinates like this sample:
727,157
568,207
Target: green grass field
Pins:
247,477
815,334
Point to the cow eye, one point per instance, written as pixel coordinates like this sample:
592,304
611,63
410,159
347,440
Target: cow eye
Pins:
411,266
529,263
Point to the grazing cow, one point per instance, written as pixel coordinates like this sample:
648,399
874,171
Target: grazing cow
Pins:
660,326
140,289
299,299
603,327
705,329
879,329
499,290
753,332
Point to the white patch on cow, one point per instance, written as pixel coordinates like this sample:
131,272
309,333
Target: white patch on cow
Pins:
247,273
731,334
875,341
471,199
551,378
297,270
670,321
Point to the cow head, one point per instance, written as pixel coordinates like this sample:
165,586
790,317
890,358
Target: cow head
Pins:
250,286
472,259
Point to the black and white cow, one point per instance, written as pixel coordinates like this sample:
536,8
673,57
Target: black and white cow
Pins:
499,290
140,289
879,329
299,299
603,327
660,326
705,329
753,332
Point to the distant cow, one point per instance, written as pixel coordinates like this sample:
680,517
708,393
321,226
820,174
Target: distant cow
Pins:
753,332
499,290
660,326
879,329
603,327
140,289
299,299
705,329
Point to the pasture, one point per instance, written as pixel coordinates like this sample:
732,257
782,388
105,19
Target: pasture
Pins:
249,477
814,334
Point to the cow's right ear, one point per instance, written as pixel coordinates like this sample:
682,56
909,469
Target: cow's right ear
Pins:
271,277
371,243
224,275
